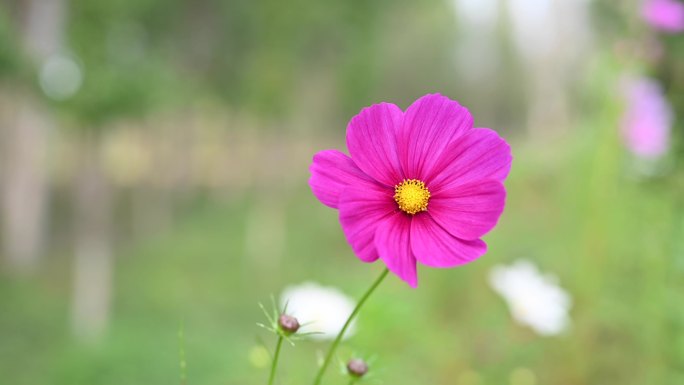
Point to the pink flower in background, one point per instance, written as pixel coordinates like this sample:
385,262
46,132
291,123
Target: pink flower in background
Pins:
420,186
665,15
648,119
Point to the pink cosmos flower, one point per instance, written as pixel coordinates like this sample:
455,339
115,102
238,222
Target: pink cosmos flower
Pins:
420,186
665,15
647,120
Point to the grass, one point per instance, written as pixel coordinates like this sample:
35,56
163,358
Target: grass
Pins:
615,244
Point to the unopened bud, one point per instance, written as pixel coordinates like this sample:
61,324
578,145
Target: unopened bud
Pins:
357,367
288,324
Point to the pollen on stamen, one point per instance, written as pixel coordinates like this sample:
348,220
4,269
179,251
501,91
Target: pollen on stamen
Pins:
412,196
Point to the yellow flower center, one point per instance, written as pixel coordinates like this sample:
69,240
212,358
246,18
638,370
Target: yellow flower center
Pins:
411,196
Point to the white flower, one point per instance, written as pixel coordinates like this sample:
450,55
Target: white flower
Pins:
320,309
534,299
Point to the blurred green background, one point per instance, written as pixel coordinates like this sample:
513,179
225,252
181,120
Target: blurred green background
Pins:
153,172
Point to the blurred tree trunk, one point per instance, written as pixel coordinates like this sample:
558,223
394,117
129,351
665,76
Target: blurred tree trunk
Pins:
93,243
553,60
152,203
24,184
24,143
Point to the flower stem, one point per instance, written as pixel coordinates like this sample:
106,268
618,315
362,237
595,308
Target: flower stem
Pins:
275,360
337,340
181,354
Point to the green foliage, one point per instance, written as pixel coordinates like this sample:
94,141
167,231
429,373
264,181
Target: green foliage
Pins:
612,241
121,46
11,57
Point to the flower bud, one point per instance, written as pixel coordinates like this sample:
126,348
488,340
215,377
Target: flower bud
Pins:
357,367
288,324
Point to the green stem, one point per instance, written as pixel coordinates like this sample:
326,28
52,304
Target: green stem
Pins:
271,377
352,381
181,354
333,347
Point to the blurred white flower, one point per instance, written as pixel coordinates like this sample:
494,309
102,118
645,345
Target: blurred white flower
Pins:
319,309
534,299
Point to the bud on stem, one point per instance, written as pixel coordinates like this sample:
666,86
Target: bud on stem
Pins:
357,367
288,324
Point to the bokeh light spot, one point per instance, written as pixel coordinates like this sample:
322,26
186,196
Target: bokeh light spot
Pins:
60,77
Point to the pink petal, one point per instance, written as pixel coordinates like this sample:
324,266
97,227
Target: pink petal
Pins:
430,124
394,247
332,172
666,15
469,211
435,247
361,213
371,139
480,154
